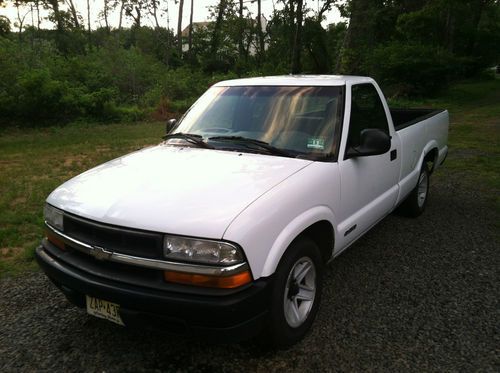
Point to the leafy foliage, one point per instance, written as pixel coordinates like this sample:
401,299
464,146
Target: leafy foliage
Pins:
420,46
413,47
416,68
4,26
41,86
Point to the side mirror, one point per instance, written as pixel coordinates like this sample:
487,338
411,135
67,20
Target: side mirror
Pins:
373,141
170,125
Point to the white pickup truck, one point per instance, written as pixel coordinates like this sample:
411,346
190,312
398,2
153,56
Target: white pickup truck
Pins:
226,226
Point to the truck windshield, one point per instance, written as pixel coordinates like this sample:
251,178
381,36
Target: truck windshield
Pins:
299,121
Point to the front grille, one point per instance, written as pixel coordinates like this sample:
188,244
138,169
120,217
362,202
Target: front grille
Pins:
128,241
117,239
113,271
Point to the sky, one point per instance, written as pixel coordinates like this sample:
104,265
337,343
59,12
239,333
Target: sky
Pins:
201,12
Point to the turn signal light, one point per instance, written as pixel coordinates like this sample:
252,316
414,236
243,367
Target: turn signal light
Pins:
55,241
226,282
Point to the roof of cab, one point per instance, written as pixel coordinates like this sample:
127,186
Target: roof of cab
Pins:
296,80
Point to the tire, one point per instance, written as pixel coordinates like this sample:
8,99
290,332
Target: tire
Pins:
290,317
415,203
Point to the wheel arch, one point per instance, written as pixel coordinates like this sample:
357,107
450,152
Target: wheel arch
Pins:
323,235
431,158
430,155
318,224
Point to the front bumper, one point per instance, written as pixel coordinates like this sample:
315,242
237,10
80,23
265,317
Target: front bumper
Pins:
235,316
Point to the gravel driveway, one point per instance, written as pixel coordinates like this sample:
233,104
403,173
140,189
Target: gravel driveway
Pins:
411,295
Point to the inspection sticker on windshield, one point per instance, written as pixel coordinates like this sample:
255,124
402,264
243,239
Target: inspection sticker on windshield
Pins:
317,143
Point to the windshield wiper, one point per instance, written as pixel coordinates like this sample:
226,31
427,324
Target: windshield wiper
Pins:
246,140
189,137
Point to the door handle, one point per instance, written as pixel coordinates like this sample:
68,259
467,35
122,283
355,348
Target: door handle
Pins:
394,154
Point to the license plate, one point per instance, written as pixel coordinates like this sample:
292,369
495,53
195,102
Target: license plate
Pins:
104,309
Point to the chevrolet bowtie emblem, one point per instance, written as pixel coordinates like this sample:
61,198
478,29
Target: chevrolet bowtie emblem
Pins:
100,253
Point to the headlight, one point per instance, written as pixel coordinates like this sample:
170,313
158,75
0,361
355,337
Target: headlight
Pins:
201,251
53,216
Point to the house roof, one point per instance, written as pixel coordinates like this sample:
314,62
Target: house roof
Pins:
196,25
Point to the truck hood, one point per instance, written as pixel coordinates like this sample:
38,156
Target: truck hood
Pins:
178,190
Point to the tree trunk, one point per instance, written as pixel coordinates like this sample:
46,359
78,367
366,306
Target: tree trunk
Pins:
449,29
326,7
338,64
259,25
37,4
54,5
241,47
32,15
297,45
137,23
74,14
291,12
105,13
137,19
179,28
155,13
122,7
359,38
476,18
190,38
218,23
168,40
89,30
19,20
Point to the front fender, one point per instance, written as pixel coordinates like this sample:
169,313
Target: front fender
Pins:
294,229
267,226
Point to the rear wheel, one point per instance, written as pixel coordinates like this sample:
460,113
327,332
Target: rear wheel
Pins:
296,294
415,203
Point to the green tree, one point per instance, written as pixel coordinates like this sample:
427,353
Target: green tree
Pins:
4,26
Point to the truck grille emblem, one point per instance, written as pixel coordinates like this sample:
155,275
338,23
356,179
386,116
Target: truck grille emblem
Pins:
100,253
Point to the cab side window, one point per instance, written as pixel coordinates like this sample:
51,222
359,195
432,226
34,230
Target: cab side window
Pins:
367,111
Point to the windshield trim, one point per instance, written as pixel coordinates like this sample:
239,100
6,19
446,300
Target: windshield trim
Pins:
280,85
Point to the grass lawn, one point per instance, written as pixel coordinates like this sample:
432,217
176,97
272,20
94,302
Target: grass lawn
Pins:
34,162
474,134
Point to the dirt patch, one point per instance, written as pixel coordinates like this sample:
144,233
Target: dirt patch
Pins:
75,160
102,148
18,201
7,163
467,153
10,252
40,177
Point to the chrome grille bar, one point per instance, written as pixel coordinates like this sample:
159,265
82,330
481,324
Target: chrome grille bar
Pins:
104,254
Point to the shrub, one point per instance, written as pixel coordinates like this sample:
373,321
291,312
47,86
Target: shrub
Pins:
39,97
130,113
413,69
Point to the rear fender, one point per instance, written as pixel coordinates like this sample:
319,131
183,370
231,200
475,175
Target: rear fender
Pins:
427,148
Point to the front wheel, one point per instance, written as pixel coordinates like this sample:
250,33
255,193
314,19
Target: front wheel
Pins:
415,203
296,294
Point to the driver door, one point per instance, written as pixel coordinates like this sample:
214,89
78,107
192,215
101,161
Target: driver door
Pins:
369,184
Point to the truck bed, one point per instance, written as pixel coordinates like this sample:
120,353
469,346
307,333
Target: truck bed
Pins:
403,118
